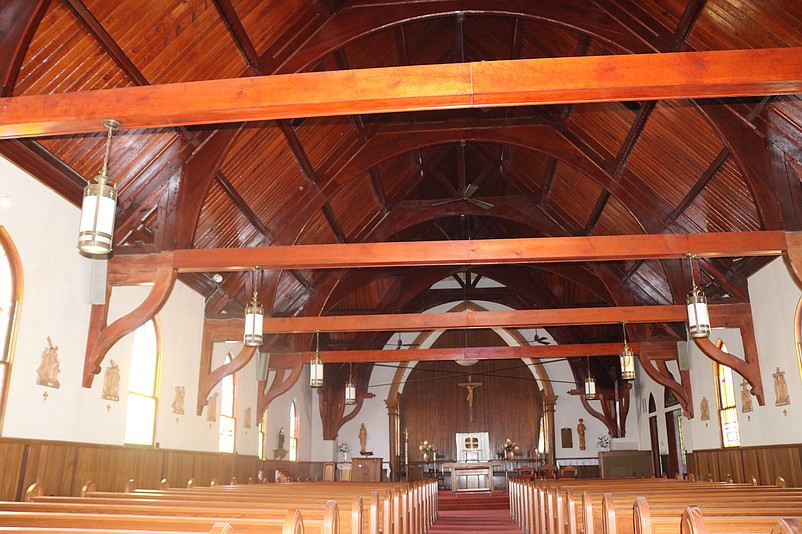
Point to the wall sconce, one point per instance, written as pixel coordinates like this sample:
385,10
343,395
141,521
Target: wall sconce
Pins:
350,387
698,314
99,206
590,383
627,359
316,367
254,318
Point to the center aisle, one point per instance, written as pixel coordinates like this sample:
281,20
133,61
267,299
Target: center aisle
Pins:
474,513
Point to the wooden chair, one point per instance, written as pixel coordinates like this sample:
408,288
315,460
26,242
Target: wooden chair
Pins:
328,471
526,472
547,471
569,471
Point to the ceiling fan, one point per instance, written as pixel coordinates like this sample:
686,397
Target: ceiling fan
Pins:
400,344
467,196
539,339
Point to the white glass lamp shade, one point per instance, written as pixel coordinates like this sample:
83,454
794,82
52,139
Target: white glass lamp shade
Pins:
96,230
316,372
698,315
254,315
590,387
627,359
350,392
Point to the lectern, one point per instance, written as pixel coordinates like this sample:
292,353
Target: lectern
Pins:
366,469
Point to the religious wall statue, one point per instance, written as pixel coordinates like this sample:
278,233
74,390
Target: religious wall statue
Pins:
746,397
781,397
111,382
247,418
580,429
49,368
178,402
211,407
363,438
704,409
280,439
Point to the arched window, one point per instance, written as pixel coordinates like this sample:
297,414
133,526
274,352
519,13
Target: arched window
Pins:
798,334
228,409
293,432
10,302
727,411
541,437
262,446
143,386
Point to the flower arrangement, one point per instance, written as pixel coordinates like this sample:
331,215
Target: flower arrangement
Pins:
344,447
509,445
427,448
603,441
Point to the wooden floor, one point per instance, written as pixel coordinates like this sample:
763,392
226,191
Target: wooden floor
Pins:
474,513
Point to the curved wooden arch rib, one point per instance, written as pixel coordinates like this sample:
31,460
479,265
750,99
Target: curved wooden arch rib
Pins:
98,345
658,371
354,23
279,386
793,256
207,382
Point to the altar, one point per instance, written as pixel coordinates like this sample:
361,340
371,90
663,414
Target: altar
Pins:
472,476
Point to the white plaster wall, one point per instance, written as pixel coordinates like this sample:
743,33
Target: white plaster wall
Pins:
278,416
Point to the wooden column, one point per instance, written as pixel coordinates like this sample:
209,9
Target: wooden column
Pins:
548,421
394,416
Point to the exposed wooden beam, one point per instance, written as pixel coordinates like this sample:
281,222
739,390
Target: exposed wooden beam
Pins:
239,34
661,350
484,252
425,87
721,315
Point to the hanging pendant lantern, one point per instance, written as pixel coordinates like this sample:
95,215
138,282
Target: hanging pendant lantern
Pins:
254,319
99,206
698,314
316,367
627,359
590,384
350,387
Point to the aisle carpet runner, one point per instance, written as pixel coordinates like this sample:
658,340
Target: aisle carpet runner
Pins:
474,513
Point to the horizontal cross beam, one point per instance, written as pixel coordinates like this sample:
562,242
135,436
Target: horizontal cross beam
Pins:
711,74
721,315
482,252
658,350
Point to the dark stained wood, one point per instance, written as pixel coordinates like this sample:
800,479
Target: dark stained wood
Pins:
766,463
234,25
30,155
394,89
18,20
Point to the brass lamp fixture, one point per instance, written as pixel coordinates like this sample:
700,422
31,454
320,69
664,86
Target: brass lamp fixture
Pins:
590,383
254,318
698,314
350,387
316,367
99,206
627,359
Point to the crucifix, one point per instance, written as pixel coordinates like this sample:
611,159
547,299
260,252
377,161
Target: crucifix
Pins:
470,385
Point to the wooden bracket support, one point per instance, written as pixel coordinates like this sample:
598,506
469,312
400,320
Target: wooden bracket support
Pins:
208,378
657,369
101,337
278,387
793,256
615,425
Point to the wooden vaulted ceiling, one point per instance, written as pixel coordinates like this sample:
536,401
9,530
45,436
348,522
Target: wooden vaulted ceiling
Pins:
628,168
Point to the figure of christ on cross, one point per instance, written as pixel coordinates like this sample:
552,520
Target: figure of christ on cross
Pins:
470,385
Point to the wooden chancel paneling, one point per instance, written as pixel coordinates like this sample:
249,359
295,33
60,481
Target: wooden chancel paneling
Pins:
765,463
506,405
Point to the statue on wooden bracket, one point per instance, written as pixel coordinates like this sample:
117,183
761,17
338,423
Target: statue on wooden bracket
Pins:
580,429
111,382
49,368
211,407
178,402
780,389
704,409
363,441
746,397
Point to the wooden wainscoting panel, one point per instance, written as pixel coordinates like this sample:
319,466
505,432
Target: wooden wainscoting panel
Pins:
11,469
765,463
179,467
55,467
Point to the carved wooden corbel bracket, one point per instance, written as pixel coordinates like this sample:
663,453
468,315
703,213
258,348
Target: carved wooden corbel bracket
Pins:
657,369
101,337
278,387
793,256
208,378
608,413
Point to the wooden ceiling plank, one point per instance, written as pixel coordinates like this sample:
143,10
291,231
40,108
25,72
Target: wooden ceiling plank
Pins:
720,315
107,41
691,14
239,34
482,252
423,87
241,204
657,351
601,203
